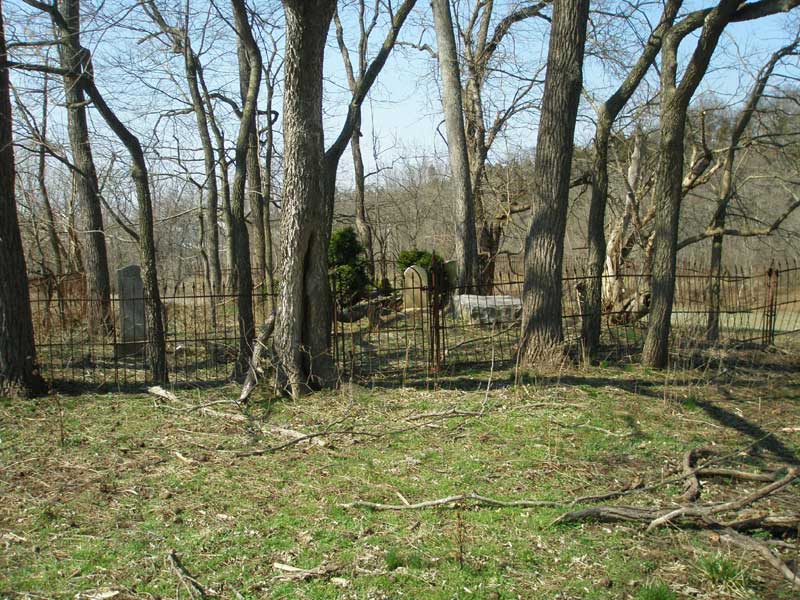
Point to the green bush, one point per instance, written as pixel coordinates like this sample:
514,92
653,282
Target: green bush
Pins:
430,261
422,258
347,266
345,248
349,283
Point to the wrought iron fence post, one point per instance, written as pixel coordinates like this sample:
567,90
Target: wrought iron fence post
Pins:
770,306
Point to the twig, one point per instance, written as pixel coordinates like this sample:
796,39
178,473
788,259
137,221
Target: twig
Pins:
297,440
296,574
458,498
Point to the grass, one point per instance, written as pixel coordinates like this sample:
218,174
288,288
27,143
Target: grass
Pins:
721,570
656,591
135,479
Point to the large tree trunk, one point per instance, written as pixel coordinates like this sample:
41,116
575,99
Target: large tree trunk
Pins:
667,196
544,244
19,371
597,208
668,191
466,246
241,239
302,333
95,256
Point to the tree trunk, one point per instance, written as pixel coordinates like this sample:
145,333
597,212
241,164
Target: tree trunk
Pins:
255,191
668,191
544,244
267,193
363,228
607,114
95,256
489,239
302,332
41,176
209,162
241,238
19,370
156,343
714,287
466,246
667,195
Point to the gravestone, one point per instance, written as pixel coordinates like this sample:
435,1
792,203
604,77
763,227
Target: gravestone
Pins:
133,328
487,310
415,283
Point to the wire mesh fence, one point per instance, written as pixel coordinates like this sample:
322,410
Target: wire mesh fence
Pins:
414,323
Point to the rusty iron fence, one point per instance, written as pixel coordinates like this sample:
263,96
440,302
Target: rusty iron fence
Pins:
409,326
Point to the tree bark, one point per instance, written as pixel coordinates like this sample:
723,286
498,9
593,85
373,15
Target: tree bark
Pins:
302,332
668,191
544,244
466,246
19,370
607,115
255,191
87,190
241,239
363,227
269,150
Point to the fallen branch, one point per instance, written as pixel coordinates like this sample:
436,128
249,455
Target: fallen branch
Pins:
749,543
690,471
776,523
690,511
291,573
453,412
191,584
160,392
458,498
302,438
734,474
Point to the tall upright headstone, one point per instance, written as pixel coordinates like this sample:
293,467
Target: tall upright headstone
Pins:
133,330
415,284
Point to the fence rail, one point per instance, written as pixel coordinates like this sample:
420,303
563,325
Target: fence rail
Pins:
417,325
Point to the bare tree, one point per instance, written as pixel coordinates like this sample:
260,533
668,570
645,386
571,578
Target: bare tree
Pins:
302,330
465,242
675,97
180,42
95,256
606,116
250,61
19,371
83,70
480,44
544,244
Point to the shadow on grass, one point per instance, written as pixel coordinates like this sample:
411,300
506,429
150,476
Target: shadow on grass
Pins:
764,440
